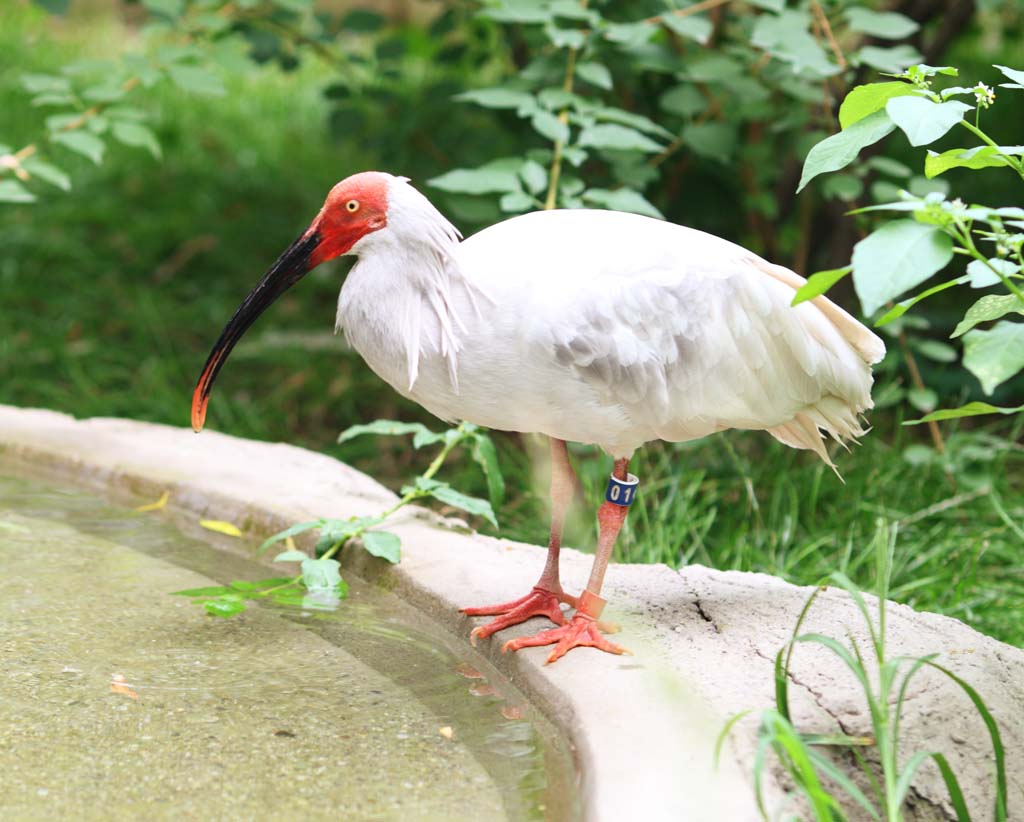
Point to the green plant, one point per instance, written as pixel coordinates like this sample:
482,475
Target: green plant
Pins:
319,584
901,254
884,681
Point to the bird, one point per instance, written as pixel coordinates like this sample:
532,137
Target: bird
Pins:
589,326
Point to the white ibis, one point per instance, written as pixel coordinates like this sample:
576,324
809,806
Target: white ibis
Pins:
588,326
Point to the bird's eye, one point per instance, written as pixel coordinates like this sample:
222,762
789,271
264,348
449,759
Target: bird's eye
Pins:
352,206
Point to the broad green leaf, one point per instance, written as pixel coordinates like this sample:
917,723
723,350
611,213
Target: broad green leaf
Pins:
786,37
298,528
425,437
81,142
196,80
498,97
617,137
713,67
516,202
1014,74
982,275
534,176
519,11
890,59
865,100
443,492
565,38
383,544
888,25
135,134
988,308
11,191
385,428
972,409
995,355
934,350
595,74
486,457
221,527
211,591
611,114
844,187
297,6
630,35
977,157
321,574
901,308
622,199
246,586
817,284
839,150
52,100
714,140
886,165
224,607
922,120
291,556
692,27
895,258
923,399
45,84
685,100
549,125
46,171
106,92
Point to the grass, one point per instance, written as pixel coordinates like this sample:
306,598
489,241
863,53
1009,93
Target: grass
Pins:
113,294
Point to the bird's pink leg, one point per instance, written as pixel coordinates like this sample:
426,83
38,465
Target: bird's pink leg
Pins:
545,597
584,628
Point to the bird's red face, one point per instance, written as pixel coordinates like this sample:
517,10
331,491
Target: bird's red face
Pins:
355,207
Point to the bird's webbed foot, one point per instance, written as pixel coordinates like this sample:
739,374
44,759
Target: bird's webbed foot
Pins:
539,602
582,631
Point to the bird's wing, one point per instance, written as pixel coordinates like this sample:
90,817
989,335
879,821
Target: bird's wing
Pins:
702,337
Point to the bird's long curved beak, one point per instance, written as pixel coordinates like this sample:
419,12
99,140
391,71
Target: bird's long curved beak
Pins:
290,267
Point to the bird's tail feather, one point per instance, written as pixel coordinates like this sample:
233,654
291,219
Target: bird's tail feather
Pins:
829,414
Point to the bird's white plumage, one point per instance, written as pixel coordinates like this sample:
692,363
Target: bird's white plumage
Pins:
601,327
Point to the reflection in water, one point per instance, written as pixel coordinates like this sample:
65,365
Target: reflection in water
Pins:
122,699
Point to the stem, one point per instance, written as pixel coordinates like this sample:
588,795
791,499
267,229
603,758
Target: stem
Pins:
686,12
915,378
822,20
968,242
556,159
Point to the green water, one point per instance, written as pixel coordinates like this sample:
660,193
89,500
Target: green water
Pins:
118,700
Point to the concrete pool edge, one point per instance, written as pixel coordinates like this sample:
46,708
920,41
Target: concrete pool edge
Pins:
644,727
613,710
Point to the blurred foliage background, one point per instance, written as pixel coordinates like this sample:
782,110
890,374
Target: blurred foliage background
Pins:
243,114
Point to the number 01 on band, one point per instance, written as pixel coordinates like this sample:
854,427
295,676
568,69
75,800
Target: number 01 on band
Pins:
621,492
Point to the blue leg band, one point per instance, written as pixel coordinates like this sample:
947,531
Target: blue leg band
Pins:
621,492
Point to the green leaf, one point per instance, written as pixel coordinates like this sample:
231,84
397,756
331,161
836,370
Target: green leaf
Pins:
972,409
923,399
135,134
922,120
786,37
549,125
298,528
383,544
1014,74
888,25
630,35
982,275
196,80
863,101
891,59
839,150
384,428
519,11
45,84
11,191
595,74
988,308
713,139
106,92
224,607
617,137
895,258
817,284
47,172
622,199
443,492
902,307
210,591
52,100
497,97
81,142
486,457
843,187
516,202
975,158
995,355
692,27
498,176
291,556
685,100
935,350
534,176
321,574
611,114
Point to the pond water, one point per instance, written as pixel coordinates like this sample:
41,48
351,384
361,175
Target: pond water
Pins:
119,700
